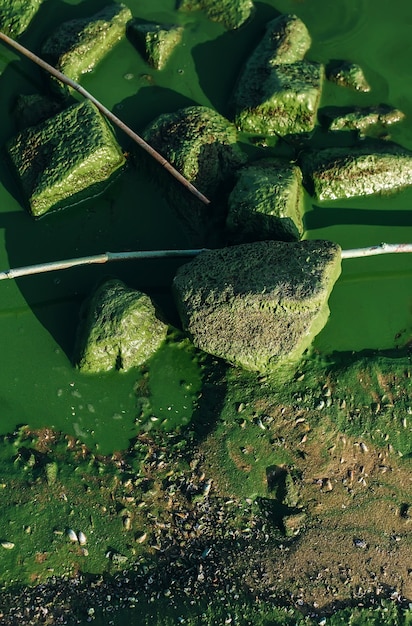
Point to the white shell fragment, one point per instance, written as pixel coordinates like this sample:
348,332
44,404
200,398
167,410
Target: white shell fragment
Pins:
72,535
8,545
82,538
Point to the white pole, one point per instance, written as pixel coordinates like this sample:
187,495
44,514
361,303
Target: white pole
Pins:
41,268
383,248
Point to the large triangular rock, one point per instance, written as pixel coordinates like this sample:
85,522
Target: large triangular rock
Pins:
279,91
257,305
120,329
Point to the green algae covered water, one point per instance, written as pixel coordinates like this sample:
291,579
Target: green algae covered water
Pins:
371,305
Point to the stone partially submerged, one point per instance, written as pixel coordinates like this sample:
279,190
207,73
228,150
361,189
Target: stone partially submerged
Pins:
348,75
78,45
119,330
366,120
257,305
337,173
66,158
266,202
231,13
16,15
279,91
156,42
202,146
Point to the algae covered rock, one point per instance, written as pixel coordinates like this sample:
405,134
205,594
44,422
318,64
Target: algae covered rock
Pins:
257,305
66,158
231,13
349,75
202,146
78,45
279,91
337,173
363,119
266,202
119,329
156,42
16,15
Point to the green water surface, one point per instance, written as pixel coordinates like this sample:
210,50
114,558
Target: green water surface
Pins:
371,305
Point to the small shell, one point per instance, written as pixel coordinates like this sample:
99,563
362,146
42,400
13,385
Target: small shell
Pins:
141,538
127,523
82,538
72,535
364,447
8,545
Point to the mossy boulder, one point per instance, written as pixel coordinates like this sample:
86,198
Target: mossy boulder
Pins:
231,13
78,45
119,329
375,167
16,15
366,120
279,91
202,146
156,42
257,305
347,74
266,202
66,158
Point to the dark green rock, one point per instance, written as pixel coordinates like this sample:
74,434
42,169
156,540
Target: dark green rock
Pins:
156,42
202,146
266,202
347,74
231,13
66,158
119,329
16,15
363,119
78,45
337,173
257,305
278,91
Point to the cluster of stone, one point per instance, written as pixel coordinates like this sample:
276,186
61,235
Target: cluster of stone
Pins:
258,299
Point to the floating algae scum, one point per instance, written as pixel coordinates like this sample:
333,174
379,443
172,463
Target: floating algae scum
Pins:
296,494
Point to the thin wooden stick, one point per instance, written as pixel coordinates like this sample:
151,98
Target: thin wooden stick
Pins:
41,268
113,118
383,248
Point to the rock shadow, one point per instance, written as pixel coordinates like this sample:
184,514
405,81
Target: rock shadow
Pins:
218,79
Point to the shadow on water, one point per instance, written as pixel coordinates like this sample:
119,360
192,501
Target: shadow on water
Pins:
322,217
147,104
218,79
